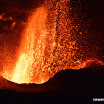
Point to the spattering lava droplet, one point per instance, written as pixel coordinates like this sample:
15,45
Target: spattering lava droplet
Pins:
48,45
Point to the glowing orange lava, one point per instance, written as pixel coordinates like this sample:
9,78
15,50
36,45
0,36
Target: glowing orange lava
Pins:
32,48
47,45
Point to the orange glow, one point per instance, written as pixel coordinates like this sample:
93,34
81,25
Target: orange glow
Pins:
32,49
42,53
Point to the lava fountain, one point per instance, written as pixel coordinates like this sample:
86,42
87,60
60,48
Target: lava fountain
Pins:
48,45
32,50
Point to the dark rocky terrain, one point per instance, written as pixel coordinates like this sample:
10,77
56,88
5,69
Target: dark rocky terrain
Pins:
67,85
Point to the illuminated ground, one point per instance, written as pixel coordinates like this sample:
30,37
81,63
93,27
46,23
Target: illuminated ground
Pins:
65,86
83,81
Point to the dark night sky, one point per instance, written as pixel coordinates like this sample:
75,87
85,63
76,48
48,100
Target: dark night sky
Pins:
20,3
94,14
93,10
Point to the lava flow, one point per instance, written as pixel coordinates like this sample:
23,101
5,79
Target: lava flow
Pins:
48,45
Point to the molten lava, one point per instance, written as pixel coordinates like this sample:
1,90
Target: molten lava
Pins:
32,49
48,45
